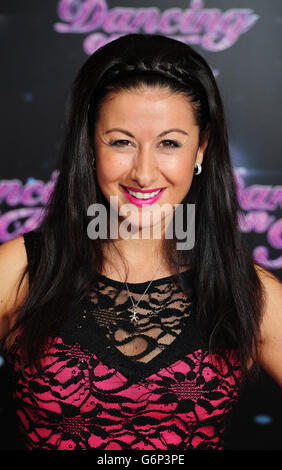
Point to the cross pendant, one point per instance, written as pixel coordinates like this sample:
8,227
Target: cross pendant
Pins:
134,316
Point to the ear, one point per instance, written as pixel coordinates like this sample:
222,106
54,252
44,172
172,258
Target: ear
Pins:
204,144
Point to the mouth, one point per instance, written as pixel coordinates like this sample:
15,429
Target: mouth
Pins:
142,197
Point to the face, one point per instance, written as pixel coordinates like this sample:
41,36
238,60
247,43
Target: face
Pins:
146,141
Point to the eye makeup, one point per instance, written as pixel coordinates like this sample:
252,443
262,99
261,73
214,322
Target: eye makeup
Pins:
117,143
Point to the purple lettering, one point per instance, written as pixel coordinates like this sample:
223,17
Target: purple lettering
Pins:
211,28
254,197
275,200
14,193
32,193
117,20
233,23
199,25
261,254
275,235
96,40
48,189
186,20
236,22
144,18
11,192
170,16
258,221
82,16
259,197
11,227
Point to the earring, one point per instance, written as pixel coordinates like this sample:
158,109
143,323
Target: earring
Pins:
199,168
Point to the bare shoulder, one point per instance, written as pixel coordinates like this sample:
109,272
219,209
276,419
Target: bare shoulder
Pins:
272,288
265,274
13,261
271,326
272,291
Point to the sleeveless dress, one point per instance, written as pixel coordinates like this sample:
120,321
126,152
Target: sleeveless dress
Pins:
111,384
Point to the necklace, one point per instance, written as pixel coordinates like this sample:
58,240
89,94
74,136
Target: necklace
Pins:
134,316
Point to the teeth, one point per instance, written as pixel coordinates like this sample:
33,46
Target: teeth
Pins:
143,195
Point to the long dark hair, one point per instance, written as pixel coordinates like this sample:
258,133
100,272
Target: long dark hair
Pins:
227,290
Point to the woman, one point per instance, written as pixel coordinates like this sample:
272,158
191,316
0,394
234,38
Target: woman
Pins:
132,342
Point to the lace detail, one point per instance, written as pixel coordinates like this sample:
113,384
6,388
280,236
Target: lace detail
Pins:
110,384
79,402
162,313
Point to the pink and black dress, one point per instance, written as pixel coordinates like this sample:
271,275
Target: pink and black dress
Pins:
97,391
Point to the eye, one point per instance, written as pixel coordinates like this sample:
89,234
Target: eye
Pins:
172,143
118,143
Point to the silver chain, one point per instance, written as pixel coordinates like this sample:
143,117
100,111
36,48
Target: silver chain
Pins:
134,316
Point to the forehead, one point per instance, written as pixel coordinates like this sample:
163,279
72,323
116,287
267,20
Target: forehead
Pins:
147,104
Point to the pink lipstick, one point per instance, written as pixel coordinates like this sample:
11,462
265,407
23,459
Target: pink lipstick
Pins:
142,202
142,190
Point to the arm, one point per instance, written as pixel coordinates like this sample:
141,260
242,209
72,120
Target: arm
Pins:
270,349
13,261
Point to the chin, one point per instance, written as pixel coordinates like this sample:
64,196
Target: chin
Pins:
141,226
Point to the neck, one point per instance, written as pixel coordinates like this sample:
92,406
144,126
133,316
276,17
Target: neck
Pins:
139,254
137,251
134,258
143,243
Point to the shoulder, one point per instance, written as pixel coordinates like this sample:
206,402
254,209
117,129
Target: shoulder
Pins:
270,350
12,246
269,281
13,261
272,300
272,293
12,255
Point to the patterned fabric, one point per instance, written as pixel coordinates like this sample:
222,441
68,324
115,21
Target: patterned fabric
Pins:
111,384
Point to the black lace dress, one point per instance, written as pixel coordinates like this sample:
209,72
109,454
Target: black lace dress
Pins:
109,383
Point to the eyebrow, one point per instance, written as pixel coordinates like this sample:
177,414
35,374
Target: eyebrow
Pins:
160,135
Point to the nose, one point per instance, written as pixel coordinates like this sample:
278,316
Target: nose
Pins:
145,169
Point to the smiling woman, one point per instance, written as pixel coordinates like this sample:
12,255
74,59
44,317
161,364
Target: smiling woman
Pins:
130,342
155,164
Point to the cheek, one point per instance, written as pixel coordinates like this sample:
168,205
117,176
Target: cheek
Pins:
109,170
181,172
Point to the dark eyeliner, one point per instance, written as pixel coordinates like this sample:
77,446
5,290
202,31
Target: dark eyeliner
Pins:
174,142
113,143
